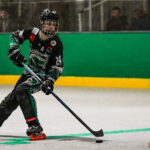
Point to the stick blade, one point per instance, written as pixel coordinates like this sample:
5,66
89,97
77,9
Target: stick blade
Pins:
98,133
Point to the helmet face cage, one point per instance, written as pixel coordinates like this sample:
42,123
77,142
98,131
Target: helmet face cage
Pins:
51,16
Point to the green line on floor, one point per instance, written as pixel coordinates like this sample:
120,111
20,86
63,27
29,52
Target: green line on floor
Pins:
18,141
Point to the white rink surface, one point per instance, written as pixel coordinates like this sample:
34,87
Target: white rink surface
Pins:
112,109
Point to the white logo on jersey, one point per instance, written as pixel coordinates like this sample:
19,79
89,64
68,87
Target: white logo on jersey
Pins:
35,31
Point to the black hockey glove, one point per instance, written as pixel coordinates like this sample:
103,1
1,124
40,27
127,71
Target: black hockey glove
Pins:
47,86
16,57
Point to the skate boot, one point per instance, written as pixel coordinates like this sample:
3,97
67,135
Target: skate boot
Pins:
35,133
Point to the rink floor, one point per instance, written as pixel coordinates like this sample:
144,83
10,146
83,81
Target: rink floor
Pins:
123,114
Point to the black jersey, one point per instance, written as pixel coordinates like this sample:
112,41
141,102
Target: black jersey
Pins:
45,56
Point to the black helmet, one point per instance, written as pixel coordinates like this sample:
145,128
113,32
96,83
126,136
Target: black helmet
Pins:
49,15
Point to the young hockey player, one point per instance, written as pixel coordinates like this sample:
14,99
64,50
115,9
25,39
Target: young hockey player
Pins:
45,59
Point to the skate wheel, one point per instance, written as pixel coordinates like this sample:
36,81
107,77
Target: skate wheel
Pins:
34,137
42,136
37,137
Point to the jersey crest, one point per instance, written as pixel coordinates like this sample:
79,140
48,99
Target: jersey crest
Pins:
53,43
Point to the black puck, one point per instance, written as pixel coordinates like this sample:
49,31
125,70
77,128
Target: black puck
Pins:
99,141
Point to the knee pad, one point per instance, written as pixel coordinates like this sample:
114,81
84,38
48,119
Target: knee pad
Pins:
21,94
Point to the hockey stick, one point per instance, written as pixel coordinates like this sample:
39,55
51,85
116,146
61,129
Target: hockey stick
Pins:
96,133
